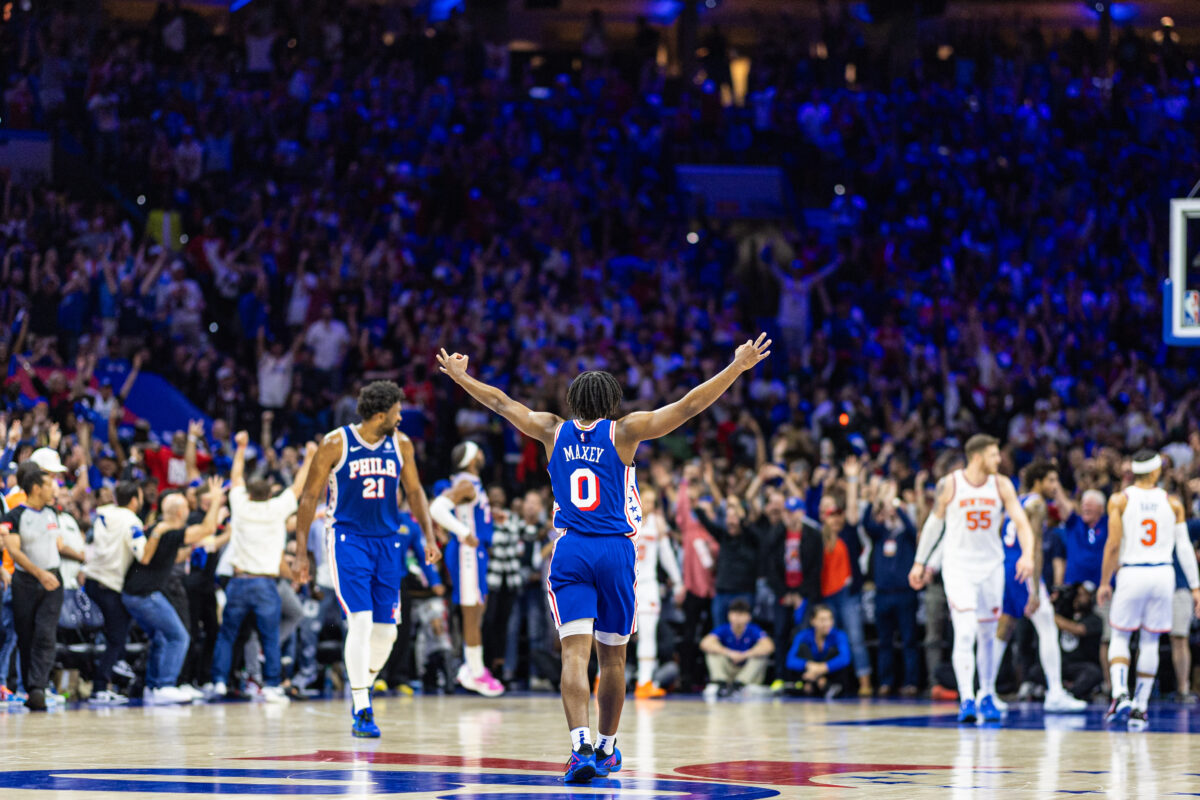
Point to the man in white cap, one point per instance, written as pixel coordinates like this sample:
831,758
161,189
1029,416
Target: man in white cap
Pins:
1154,522
48,460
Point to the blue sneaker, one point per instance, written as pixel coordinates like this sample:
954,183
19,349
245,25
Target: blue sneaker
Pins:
1119,711
364,724
581,766
606,763
966,710
988,709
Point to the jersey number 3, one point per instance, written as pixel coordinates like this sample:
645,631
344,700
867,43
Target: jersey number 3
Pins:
373,489
1151,534
585,489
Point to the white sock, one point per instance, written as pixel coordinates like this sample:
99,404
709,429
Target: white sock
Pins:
580,737
383,637
1119,675
990,653
606,742
474,656
645,670
1048,651
1141,692
362,699
966,628
1147,669
357,653
1118,663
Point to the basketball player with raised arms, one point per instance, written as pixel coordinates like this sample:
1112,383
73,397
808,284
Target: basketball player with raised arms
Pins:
592,581
362,467
966,523
1146,527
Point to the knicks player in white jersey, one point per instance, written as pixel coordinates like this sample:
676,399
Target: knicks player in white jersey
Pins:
463,511
968,514
1146,528
653,550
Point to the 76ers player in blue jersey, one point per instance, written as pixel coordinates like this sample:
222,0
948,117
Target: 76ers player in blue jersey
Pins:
362,467
1020,597
593,574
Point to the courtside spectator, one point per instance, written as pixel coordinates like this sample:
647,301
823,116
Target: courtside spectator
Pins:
154,556
737,653
259,538
116,527
819,657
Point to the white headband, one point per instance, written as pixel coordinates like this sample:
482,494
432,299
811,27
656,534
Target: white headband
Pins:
469,454
1147,466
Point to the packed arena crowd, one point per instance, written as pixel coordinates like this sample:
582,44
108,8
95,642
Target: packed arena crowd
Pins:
335,196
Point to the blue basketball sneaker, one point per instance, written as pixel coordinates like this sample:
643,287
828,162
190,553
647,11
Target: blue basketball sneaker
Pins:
364,724
581,766
966,710
1119,711
606,763
988,709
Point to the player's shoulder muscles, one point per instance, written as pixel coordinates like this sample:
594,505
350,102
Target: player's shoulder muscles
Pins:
328,454
1004,485
461,492
404,445
1116,504
1177,507
943,493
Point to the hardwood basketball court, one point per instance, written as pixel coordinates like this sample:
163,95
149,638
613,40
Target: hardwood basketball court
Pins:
465,747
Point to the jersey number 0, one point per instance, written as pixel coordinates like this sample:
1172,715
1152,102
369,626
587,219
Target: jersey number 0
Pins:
585,489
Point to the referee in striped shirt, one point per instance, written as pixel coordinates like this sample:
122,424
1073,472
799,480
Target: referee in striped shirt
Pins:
31,534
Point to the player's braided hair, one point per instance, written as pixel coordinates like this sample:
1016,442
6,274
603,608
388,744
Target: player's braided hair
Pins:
594,395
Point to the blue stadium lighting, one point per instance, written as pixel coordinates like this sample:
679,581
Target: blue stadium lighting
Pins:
1121,12
238,5
663,12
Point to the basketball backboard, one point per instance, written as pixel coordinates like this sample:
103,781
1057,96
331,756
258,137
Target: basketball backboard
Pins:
1181,290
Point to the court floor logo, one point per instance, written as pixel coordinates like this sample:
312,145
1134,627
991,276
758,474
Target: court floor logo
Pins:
367,782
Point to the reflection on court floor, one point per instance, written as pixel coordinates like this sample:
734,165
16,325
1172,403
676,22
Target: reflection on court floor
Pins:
455,748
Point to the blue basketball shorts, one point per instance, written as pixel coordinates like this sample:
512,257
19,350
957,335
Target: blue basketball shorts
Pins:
1016,593
367,571
468,568
594,577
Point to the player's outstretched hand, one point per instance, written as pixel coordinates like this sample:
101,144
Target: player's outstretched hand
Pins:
1103,595
453,365
750,353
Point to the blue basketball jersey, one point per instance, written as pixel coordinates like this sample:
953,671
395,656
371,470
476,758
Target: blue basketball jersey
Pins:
364,487
594,492
477,514
1012,547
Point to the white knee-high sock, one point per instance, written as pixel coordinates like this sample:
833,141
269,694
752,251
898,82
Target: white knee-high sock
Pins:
647,646
357,655
383,637
966,630
1048,651
990,653
1147,669
1118,662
